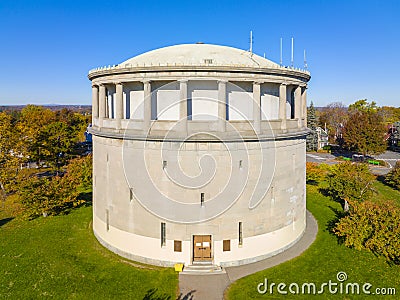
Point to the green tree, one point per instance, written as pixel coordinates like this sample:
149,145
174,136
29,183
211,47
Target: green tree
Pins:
57,195
363,106
31,122
10,157
312,137
374,227
54,142
364,132
79,172
389,114
349,182
75,121
393,177
315,173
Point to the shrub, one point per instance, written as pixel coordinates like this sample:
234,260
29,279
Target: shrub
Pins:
350,181
393,177
374,227
46,196
315,173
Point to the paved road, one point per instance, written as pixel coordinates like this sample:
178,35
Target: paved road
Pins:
212,287
389,157
319,158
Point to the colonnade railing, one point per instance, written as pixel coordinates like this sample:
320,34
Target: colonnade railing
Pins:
99,104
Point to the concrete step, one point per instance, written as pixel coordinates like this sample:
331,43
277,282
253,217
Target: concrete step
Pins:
202,269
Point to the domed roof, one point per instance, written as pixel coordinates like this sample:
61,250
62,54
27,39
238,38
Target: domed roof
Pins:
199,55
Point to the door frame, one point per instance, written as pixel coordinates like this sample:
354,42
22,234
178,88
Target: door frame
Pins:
192,249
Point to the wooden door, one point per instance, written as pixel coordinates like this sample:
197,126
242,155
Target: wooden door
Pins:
202,248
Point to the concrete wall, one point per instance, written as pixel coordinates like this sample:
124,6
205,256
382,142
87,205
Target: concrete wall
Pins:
133,96
270,101
168,97
203,96
268,227
270,205
110,101
240,101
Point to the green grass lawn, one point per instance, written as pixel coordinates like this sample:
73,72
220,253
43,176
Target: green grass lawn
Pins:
323,260
386,193
59,257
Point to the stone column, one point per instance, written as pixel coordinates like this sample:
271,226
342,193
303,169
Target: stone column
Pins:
304,104
282,106
298,105
102,104
95,102
257,106
183,95
119,107
221,105
147,105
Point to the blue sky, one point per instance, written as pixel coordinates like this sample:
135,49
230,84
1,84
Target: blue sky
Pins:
48,47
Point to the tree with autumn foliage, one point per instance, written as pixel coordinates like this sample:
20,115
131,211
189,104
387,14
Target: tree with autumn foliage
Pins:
45,196
32,121
374,226
389,114
55,141
9,153
76,122
363,106
333,117
393,177
316,173
349,182
364,130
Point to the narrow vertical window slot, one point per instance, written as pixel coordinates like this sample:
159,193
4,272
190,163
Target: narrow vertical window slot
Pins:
240,234
202,199
163,234
107,219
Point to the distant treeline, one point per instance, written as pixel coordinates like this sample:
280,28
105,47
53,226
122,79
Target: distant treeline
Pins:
85,109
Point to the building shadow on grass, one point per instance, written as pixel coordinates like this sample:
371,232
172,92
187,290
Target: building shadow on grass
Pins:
381,178
152,294
330,225
5,221
87,197
188,296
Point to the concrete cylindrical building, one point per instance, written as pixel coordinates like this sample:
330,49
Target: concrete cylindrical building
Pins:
198,156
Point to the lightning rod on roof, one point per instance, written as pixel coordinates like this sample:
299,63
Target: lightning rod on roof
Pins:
292,52
251,41
281,52
305,60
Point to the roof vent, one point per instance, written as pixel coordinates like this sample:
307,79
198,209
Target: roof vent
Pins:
199,43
